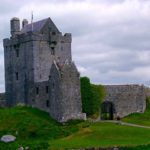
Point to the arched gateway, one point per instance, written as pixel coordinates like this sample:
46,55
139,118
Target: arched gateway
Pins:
107,110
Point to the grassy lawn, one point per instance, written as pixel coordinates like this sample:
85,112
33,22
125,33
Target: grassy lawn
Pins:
104,135
32,127
139,118
35,129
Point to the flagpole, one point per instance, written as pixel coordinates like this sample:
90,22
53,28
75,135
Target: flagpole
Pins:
32,20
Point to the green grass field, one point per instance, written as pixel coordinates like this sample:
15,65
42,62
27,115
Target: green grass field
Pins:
104,135
32,127
35,129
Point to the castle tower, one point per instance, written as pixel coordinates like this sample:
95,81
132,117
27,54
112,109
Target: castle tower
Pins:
29,54
24,22
15,26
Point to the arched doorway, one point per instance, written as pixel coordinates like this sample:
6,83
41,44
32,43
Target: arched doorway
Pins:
107,110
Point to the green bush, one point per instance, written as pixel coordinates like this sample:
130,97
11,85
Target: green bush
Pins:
92,96
86,95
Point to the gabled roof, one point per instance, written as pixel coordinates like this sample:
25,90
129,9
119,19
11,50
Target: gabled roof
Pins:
38,26
66,64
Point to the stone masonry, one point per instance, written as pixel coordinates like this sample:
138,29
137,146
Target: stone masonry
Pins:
39,72
2,100
30,79
126,99
64,86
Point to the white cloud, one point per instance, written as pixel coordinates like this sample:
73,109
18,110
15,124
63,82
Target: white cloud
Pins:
110,38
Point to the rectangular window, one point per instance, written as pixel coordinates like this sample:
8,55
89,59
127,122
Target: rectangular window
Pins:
54,42
17,76
53,51
47,88
15,46
37,90
17,52
47,103
53,33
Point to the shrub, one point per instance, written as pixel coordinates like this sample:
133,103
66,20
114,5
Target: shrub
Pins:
86,95
92,96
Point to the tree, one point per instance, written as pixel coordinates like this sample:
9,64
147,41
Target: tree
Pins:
92,96
86,95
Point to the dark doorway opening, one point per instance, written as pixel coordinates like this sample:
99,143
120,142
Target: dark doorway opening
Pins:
107,110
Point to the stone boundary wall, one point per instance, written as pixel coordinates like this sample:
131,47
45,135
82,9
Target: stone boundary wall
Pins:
127,99
2,100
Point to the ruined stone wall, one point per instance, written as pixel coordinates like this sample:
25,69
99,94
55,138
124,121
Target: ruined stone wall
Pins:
55,94
71,96
65,98
127,99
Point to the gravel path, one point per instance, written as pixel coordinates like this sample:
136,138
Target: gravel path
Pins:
125,123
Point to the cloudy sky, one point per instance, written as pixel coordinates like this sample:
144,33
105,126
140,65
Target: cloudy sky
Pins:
111,38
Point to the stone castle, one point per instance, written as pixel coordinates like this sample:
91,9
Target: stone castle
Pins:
39,70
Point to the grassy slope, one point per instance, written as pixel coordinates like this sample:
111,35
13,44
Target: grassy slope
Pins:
139,118
104,135
38,131
34,128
